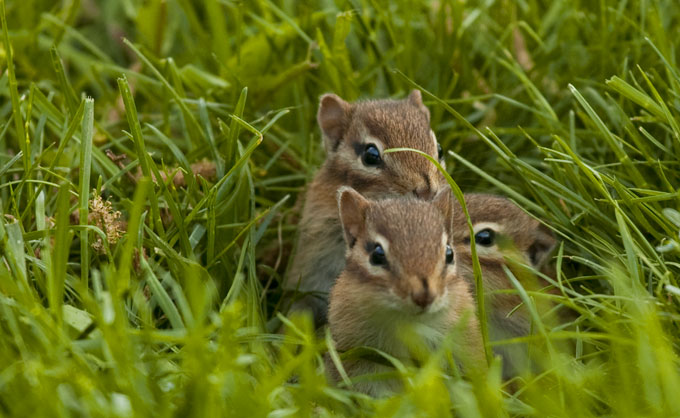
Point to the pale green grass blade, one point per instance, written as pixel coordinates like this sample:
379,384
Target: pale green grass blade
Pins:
133,121
13,90
60,252
84,196
229,147
67,90
164,299
122,279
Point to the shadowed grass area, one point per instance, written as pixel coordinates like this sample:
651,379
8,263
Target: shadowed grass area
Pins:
161,302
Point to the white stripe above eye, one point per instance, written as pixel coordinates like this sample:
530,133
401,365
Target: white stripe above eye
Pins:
442,260
384,243
359,165
434,137
369,139
480,226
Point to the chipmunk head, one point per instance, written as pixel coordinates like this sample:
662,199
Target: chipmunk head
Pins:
400,249
500,225
356,135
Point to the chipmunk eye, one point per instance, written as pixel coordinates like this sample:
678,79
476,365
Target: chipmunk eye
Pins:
449,254
485,237
378,256
371,155
440,151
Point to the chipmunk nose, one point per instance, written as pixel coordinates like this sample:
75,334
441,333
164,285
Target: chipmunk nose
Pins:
424,296
425,190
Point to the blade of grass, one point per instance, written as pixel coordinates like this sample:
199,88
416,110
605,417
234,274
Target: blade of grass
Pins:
13,91
66,89
229,147
133,121
122,279
84,197
162,296
193,123
60,252
476,267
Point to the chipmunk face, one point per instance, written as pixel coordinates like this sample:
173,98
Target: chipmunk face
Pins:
499,226
400,249
356,135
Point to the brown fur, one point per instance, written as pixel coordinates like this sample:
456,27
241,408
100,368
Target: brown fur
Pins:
373,305
347,128
528,240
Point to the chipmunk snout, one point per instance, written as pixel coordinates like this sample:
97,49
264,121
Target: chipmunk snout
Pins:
424,296
425,193
425,190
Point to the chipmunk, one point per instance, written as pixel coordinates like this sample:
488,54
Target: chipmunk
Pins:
502,229
399,281
355,136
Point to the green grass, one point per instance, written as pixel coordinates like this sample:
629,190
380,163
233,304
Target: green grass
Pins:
571,108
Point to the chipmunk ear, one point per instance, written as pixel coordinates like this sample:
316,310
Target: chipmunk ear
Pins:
443,201
352,207
415,98
333,118
542,246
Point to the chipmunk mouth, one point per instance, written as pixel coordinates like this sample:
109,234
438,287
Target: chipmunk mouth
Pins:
405,306
432,308
439,303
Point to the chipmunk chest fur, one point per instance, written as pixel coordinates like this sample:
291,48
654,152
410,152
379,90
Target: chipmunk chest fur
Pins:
386,328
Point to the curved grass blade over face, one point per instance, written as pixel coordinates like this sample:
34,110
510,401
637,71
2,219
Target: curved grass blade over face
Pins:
477,269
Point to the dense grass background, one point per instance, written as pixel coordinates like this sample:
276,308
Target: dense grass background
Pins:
571,108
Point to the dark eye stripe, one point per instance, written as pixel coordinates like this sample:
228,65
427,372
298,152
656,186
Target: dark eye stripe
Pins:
358,148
